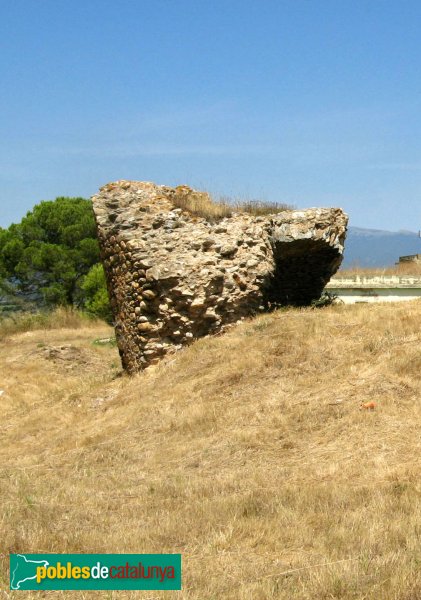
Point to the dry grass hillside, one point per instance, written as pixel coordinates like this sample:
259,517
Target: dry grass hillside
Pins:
246,452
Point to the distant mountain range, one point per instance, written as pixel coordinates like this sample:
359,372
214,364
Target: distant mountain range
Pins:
377,248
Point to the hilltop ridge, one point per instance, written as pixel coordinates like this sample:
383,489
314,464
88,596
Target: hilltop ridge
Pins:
378,248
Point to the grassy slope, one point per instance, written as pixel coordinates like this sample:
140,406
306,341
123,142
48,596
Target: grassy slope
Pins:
246,452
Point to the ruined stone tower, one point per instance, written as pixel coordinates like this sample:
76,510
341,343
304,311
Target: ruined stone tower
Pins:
174,276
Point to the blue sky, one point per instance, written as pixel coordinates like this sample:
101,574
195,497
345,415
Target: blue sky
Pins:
316,103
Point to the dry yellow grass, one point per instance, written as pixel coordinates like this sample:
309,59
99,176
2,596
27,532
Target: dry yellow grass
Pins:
246,452
62,317
399,269
202,204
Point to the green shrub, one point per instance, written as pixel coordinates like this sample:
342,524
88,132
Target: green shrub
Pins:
95,294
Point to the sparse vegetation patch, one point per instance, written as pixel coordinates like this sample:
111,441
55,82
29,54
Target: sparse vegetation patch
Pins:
61,317
202,204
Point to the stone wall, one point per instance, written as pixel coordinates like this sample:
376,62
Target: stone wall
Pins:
173,277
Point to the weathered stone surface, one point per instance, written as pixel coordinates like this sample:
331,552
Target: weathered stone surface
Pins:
173,276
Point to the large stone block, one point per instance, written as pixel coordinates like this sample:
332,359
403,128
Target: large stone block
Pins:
174,276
